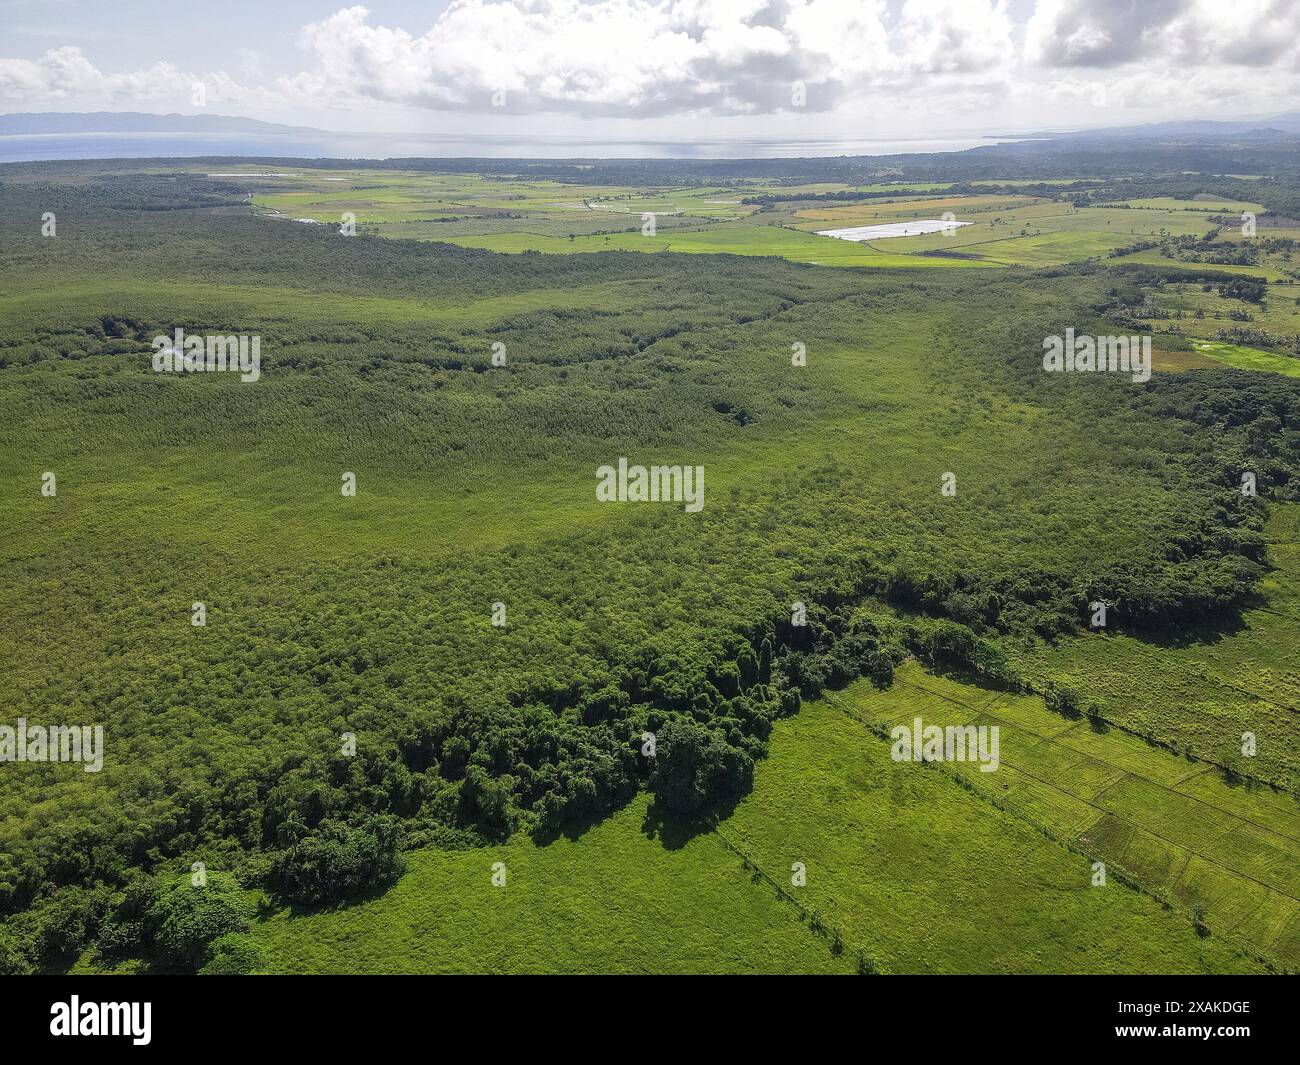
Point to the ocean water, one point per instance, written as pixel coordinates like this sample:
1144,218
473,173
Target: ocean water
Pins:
28,147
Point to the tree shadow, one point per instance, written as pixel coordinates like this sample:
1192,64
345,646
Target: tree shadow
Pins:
674,830
273,903
1199,633
574,828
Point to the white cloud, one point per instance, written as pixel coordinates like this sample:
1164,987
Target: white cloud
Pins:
629,57
65,72
664,58
65,77
1195,33
956,36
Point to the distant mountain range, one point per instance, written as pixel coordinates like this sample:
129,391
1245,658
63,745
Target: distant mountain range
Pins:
1272,126
138,122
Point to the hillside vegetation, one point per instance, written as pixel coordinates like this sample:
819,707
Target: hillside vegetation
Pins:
349,699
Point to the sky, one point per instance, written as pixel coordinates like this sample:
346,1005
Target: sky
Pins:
660,68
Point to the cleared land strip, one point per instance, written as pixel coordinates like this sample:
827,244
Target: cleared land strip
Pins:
1230,856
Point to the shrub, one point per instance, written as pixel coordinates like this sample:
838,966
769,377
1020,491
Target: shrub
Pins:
233,954
696,766
339,860
185,918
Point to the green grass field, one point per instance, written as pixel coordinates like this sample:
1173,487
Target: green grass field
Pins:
1244,358
736,239
909,869
610,901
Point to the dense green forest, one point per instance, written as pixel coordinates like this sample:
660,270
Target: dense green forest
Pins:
350,698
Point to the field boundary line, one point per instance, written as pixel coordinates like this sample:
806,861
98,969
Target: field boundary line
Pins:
1125,876
1164,839
784,895
1126,772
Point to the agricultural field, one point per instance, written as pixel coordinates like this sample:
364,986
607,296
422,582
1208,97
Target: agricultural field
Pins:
1204,202
514,216
364,627
1170,826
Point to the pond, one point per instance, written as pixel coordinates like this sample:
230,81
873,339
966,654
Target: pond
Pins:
913,228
